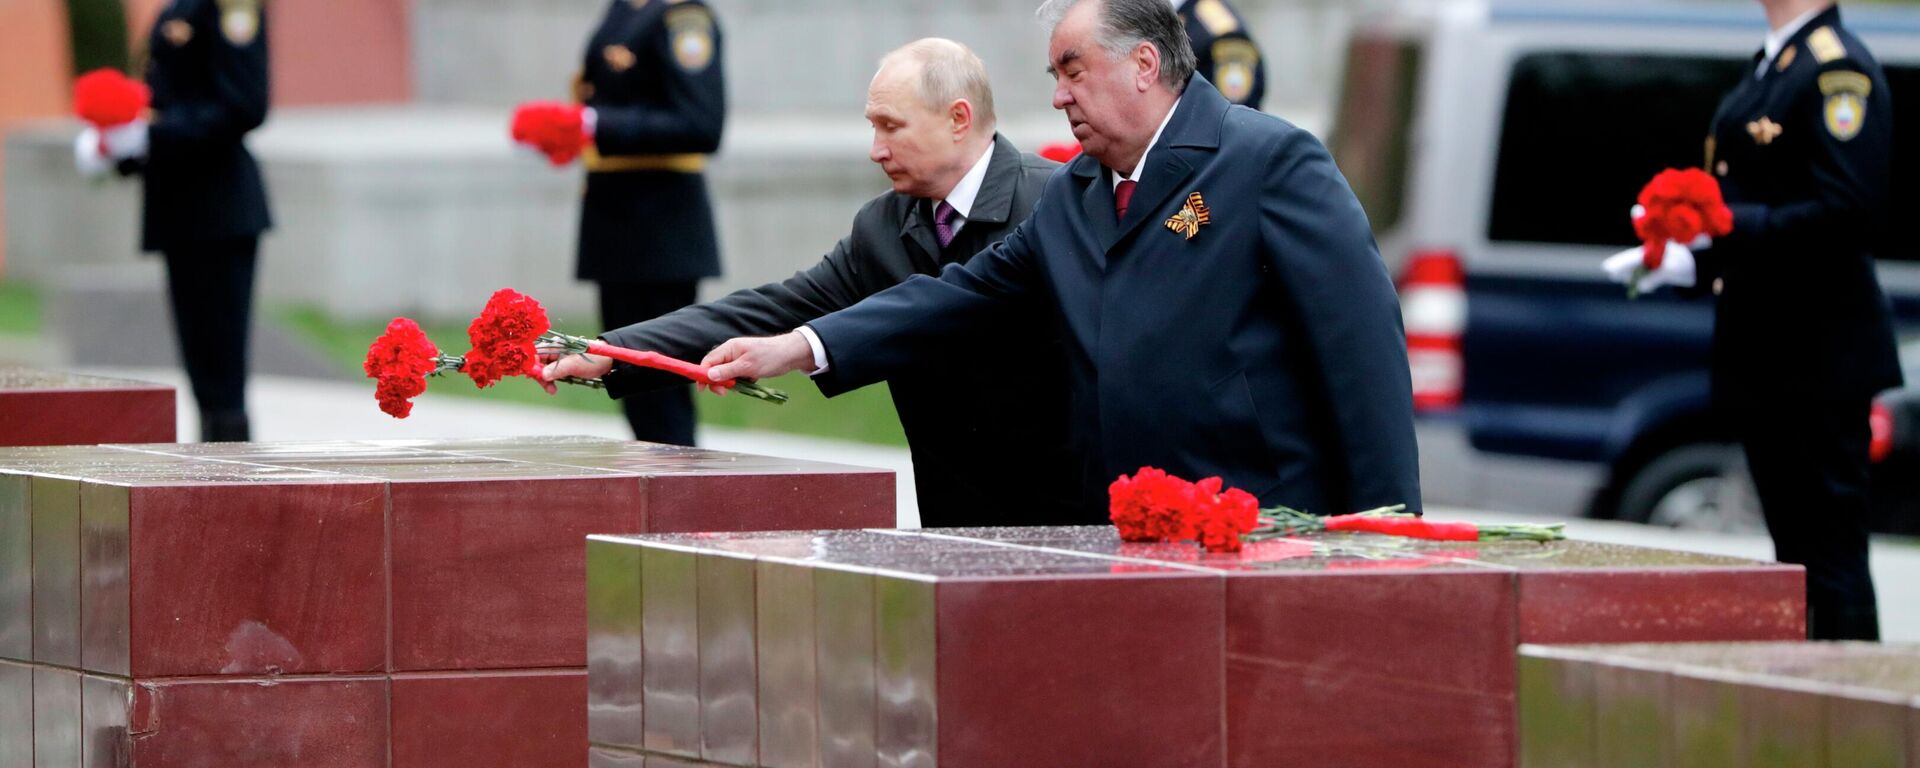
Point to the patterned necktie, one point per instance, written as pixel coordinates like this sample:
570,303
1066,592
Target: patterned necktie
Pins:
1122,195
943,222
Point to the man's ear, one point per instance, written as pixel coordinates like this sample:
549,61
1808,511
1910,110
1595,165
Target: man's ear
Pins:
1146,63
960,119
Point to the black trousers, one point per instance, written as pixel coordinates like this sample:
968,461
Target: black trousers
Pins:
210,286
1809,463
661,415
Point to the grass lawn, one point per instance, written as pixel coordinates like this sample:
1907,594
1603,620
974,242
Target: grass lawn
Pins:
19,309
865,416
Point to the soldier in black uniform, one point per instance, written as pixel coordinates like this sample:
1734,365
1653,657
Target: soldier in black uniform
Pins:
1227,56
205,205
655,102
1803,336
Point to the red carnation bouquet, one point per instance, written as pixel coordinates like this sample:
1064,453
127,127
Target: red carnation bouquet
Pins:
1060,151
106,99
556,129
507,339
1677,205
1155,506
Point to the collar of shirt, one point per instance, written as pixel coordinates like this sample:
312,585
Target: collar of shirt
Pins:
1777,39
961,198
1178,4
1142,162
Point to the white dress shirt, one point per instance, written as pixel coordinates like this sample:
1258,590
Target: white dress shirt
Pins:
961,197
1777,39
968,188
1141,164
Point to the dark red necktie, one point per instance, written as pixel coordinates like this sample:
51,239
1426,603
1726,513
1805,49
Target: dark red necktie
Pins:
1122,195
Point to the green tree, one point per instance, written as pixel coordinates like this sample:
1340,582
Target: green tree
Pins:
98,31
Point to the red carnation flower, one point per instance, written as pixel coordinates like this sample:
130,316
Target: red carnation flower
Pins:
554,128
106,98
400,360
503,338
1679,205
1060,151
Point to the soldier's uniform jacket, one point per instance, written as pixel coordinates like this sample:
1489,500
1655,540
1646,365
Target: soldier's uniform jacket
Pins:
1226,55
1802,154
207,68
653,77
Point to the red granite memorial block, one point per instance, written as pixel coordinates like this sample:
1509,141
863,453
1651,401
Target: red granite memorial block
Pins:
474,567
46,408
268,572
463,719
1809,705
307,721
851,648
964,647
693,489
164,584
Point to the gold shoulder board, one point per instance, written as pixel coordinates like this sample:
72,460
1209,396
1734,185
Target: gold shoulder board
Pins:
1214,15
1826,45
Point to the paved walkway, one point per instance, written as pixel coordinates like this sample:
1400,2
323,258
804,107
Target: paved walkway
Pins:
288,408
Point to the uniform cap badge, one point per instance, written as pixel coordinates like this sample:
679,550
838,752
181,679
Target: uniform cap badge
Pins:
1192,216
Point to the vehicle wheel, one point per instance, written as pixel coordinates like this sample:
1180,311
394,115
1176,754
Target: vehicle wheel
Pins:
1698,487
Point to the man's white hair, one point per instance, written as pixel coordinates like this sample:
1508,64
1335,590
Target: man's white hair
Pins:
949,72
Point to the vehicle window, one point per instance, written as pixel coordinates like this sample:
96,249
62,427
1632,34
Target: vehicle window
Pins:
1369,139
1583,132
1903,242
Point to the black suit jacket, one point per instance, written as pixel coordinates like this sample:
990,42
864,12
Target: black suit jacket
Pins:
653,76
1803,153
988,426
208,73
1263,346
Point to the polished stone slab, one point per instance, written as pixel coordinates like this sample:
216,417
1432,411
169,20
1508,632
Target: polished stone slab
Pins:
974,646
445,579
48,408
1809,705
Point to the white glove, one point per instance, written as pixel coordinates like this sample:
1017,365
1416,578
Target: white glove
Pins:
1676,269
86,155
127,141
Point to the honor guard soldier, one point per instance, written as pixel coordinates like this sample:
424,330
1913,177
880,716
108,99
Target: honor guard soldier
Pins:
1227,56
204,204
1803,336
655,104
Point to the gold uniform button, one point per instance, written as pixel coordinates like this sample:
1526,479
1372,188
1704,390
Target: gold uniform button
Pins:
1720,168
1719,285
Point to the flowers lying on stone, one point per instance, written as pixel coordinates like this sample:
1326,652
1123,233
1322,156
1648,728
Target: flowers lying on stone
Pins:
1152,505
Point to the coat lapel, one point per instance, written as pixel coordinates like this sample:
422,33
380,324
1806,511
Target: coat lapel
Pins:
1097,204
918,240
1170,163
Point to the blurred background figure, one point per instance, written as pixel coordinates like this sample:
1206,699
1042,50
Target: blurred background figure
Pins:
204,206
1802,147
1228,56
655,104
